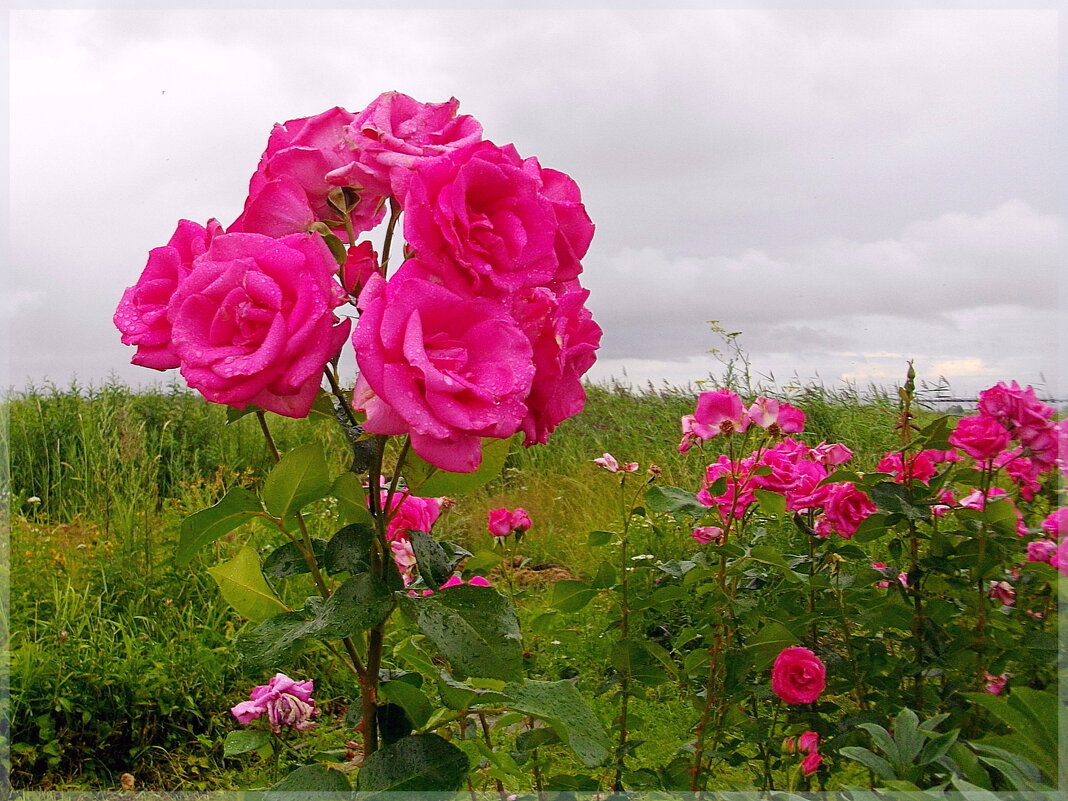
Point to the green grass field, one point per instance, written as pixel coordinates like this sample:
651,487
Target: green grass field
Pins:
120,662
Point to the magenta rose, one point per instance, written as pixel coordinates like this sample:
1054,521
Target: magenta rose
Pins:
980,436
394,133
486,222
846,507
564,339
521,520
253,321
719,412
142,313
304,162
410,513
1013,406
446,369
798,676
1056,523
499,523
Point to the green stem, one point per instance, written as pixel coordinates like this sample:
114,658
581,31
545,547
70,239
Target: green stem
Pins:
394,214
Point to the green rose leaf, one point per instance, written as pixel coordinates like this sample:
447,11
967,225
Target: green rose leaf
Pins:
674,501
418,763
298,479
428,481
770,503
242,584
350,549
288,560
431,559
561,705
243,741
236,507
351,500
571,596
475,628
317,778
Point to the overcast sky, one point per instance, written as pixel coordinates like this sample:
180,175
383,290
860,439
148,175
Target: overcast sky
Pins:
849,189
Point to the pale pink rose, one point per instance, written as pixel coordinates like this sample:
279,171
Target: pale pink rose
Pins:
394,133
1056,523
564,339
361,263
719,412
1041,550
484,222
980,436
295,177
798,676
253,321
608,462
903,579
811,763
708,534
448,370
1003,591
286,702
403,558
831,453
142,313
778,417
846,508
995,684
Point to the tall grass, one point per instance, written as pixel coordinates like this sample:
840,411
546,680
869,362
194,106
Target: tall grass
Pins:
119,659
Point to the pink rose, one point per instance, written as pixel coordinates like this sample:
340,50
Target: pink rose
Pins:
846,508
1041,550
831,453
410,513
737,495
980,436
564,339
1060,559
500,523
798,676
609,463
995,684
1013,406
286,703
917,467
361,263
808,742
521,520
486,222
1004,592
448,370
253,321
142,312
394,133
777,417
404,558
1056,523
811,763
305,160
719,412
707,534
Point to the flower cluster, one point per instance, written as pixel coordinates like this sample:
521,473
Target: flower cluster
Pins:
808,743
503,522
1048,549
285,702
723,412
408,513
482,332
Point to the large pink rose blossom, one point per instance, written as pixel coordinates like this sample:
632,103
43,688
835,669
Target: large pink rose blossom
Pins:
915,467
846,508
1056,523
737,495
831,453
285,702
142,313
1041,550
798,676
980,436
448,370
485,222
1013,406
304,162
253,321
778,417
394,133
